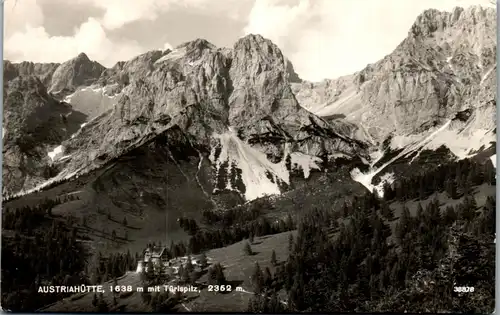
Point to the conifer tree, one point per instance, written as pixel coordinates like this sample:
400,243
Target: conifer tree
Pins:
247,249
290,243
268,278
450,215
216,274
257,279
274,261
203,261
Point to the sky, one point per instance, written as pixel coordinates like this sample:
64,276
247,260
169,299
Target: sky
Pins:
322,38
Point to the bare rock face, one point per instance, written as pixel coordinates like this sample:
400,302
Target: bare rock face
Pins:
43,71
246,120
445,65
79,71
235,101
121,74
33,123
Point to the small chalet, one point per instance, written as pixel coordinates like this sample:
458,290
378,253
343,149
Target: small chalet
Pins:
158,257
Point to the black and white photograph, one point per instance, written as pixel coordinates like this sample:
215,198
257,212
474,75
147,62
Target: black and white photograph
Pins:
249,156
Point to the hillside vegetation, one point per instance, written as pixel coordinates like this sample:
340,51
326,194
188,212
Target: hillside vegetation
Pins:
382,254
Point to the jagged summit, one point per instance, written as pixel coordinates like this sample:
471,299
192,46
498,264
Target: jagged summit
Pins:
201,146
434,21
197,44
246,103
43,71
444,66
76,72
258,44
81,57
249,38
218,98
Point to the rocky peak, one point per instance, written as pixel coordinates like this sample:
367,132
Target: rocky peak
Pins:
43,71
10,71
216,97
198,44
432,20
76,72
195,50
27,85
259,50
428,22
253,41
260,83
123,72
452,57
34,123
82,57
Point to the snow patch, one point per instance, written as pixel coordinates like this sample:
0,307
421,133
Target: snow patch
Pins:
74,192
61,176
335,107
195,63
305,162
253,164
485,76
493,159
64,157
3,132
101,99
366,178
424,143
387,178
82,126
462,145
68,98
57,150
173,55
375,157
460,142
448,61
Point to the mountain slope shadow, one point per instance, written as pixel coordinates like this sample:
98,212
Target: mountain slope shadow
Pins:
148,188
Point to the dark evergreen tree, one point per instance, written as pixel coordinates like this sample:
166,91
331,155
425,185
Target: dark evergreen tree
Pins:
216,275
247,249
290,242
257,279
203,261
274,261
450,215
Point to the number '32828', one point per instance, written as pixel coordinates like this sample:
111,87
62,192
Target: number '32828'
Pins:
463,289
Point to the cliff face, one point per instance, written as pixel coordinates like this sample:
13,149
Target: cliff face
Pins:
246,118
446,65
34,123
43,71
79,71
234,106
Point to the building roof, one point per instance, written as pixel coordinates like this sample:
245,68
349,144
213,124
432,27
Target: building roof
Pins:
155,252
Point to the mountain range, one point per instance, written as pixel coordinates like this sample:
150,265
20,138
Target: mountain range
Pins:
381,182
229,125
